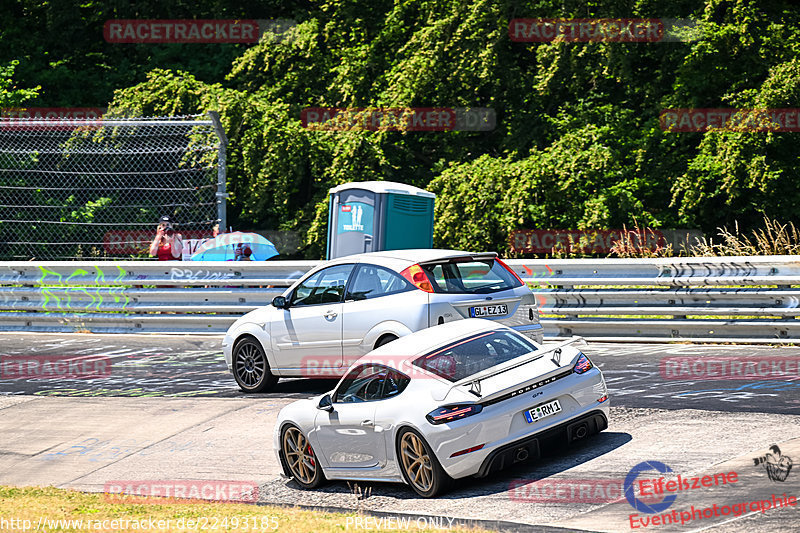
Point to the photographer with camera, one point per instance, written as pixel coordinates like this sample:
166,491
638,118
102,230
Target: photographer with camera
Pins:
168,244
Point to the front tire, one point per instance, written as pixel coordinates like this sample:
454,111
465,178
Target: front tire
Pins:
250,366
419,465
300,459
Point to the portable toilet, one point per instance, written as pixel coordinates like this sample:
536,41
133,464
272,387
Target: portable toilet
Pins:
369,216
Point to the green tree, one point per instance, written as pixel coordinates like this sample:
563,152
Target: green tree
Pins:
10,94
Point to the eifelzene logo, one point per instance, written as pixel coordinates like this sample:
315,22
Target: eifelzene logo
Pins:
775,463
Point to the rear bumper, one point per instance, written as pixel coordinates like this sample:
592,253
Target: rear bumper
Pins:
530,447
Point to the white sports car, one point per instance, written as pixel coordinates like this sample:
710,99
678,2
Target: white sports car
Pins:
345,308
461,399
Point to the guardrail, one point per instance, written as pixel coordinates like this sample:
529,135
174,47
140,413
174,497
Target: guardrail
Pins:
748,299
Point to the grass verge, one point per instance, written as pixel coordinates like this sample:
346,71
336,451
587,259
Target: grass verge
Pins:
52,509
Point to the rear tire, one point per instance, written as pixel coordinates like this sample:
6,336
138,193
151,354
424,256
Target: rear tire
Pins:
300,459
250,366
419,465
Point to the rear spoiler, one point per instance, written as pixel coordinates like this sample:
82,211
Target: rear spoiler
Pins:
475,380
485,256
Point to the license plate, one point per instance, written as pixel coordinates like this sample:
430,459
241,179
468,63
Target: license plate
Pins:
488,310
542,411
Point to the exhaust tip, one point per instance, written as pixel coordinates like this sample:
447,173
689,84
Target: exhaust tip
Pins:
581,432
521,454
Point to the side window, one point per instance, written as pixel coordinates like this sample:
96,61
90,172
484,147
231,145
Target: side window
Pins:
394,384
326,286
446,276
371,281
362,384
370,382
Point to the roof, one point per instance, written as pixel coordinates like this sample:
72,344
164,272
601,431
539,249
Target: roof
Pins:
383,187
411,346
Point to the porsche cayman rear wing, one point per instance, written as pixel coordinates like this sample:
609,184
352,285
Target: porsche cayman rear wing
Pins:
474,381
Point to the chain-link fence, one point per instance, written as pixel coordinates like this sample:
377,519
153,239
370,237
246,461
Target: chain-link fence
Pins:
95,188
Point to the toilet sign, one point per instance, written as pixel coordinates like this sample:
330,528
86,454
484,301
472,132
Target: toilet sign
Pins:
355,216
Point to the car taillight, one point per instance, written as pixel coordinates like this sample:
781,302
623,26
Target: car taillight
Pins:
582,365
510,270
451,413
417,276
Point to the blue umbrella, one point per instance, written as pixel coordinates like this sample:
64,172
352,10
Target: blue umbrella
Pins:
235,246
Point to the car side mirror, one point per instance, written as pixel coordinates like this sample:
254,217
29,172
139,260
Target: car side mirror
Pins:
325,403
280,302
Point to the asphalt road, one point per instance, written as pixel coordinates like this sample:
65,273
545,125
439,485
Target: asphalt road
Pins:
167,409
638,375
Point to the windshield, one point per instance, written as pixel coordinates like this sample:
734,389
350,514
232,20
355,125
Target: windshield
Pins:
470,277
464,358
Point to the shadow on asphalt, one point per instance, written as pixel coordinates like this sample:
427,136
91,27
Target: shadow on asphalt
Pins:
299,386
552,462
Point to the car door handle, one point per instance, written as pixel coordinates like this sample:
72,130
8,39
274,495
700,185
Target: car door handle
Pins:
367,423
331,314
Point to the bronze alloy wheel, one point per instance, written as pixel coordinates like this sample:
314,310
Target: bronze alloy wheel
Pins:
416,462
300,458
419,465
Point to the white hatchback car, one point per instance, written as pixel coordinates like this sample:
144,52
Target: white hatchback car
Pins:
461,399
349,306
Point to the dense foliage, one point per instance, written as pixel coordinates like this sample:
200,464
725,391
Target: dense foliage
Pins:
577,142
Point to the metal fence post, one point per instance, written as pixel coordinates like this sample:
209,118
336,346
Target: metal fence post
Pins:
222,174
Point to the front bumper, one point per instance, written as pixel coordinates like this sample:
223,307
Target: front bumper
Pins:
227,350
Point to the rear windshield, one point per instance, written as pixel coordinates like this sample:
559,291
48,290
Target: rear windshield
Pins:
470,277
464,358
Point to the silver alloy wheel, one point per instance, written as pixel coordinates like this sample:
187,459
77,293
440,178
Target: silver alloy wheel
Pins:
416,462
299,455
251,364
